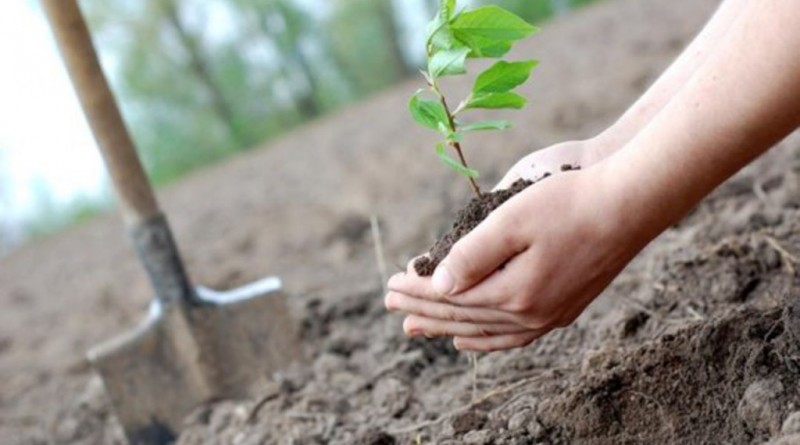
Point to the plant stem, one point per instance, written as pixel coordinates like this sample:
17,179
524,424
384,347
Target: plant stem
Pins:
456,145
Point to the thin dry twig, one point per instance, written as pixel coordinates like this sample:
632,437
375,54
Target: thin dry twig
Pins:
788,258
693,312
377,240
473,358
272,395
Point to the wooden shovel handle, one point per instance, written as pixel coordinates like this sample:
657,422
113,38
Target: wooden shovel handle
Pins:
130,181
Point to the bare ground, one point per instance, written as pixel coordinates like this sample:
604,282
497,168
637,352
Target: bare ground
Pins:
695,343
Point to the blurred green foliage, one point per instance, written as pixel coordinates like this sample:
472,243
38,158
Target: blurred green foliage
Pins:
202,79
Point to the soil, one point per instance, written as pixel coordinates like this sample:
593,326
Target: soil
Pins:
696,342
477,210
468,218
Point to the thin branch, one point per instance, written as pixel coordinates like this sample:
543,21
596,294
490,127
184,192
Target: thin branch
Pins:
456,145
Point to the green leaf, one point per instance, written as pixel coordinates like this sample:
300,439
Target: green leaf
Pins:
455,165
443,40
492,22
448,62
494,101
447,8
439,35
487,125
428,113
482,47
503,77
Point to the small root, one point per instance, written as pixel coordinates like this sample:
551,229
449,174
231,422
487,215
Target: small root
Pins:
790,260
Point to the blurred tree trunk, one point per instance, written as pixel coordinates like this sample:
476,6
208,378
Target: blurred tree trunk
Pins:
390,24
199,66
288,45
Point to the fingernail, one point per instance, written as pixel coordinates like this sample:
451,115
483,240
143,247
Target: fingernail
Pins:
389,302
442,281
409,328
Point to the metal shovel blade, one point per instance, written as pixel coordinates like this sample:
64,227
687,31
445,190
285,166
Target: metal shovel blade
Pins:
182,356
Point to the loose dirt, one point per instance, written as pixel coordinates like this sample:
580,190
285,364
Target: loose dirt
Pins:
695,343
467,219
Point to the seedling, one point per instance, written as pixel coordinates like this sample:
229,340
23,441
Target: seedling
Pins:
452,38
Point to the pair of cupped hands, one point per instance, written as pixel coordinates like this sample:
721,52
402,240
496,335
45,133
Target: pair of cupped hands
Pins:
533,265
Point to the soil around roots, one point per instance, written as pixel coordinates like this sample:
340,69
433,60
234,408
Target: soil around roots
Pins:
467,219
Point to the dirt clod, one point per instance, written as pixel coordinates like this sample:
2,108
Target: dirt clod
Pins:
792,424
760,407
468,421
466,220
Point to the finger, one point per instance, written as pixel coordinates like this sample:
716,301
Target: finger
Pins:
415,325
398,302
515,290
493,243
413,285
496,343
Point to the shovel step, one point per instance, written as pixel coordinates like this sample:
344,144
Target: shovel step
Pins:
183,356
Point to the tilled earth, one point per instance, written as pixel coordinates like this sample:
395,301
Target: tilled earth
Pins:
697,342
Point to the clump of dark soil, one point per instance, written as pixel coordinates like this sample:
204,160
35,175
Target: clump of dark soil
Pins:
466,220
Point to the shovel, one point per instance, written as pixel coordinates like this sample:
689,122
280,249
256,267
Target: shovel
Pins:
195,345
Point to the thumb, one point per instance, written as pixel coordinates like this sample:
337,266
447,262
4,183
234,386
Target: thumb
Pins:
478,254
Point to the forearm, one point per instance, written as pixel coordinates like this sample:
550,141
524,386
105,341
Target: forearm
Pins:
743,100
671,81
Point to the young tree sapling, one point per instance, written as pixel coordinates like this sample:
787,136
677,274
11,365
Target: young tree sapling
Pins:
452,38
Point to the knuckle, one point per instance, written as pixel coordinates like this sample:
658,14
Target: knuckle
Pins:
518,306
461,316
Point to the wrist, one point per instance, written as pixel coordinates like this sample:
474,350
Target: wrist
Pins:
598,148
634,200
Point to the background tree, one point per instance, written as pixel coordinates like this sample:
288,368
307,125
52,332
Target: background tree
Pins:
202,79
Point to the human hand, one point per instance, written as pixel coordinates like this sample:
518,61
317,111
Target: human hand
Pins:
533,265
550,160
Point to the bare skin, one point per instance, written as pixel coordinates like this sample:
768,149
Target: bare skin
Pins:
730,97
